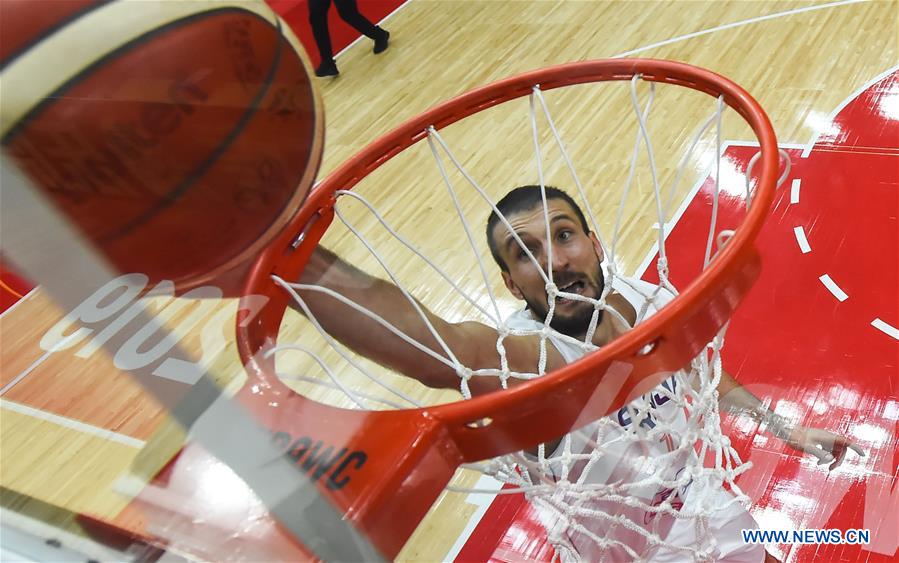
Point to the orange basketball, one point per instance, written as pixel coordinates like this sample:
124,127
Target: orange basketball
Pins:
178,136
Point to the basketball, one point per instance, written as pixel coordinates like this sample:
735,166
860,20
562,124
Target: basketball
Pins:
178,137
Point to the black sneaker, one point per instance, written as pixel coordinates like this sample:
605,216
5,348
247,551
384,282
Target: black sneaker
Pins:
327,68
381,42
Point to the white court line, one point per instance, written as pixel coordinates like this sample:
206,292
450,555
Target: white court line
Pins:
17,303
811,144
676,217
688,198
736,24
886,328
832,287
801,240
483,502
59,346
794,191
755,143
72,424
25,372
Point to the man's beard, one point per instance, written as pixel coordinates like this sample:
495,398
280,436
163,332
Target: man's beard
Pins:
576,324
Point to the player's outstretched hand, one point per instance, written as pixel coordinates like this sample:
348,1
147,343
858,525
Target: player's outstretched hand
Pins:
825,445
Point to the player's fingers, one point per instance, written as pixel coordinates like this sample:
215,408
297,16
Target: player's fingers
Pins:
841,441
856,448
824,457
839,452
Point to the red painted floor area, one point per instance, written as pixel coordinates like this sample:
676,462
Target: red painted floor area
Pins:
12,286
826,362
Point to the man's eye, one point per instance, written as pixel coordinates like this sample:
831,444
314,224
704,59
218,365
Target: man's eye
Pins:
523,254
565,235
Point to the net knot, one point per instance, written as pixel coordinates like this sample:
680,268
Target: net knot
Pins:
552,290
663,263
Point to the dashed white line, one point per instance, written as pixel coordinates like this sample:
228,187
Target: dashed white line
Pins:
833,287
794,191
73,424
886,328
801,240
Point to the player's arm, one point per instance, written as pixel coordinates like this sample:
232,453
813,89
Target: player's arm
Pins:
826,446
472,343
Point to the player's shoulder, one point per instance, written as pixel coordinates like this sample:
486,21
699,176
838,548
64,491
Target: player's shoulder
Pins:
626,284
635,295
523,319
623,306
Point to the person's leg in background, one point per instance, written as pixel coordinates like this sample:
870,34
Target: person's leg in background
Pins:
318,19
349,12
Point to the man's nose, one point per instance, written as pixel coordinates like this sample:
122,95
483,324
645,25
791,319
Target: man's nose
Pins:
560,261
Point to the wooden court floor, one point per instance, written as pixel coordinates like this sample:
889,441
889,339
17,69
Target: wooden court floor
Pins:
72,425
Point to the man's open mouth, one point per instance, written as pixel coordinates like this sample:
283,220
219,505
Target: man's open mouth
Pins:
577,287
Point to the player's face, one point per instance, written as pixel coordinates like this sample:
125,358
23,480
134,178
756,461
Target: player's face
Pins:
576,258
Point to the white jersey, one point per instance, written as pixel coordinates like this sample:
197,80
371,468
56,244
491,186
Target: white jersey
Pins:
635,455
662,403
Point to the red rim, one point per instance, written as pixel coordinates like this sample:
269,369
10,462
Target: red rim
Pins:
548,407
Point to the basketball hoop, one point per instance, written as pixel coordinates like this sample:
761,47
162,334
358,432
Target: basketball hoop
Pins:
411,454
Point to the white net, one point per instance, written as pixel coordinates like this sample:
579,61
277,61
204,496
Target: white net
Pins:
651,481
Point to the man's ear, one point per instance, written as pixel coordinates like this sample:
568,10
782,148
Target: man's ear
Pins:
597,246
510,285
